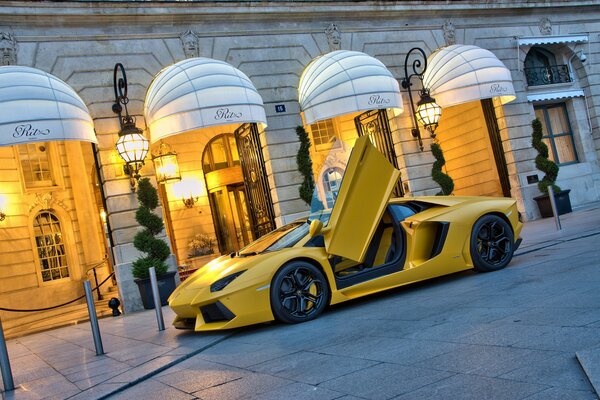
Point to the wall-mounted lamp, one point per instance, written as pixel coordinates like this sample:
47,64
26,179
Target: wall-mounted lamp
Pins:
165,164
428,111
188,191
131,145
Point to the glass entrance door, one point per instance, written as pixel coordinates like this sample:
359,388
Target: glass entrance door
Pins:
230,209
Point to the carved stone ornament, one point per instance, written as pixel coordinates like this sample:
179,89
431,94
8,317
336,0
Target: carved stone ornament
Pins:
190,43
334,37
46,201
449,33
8,48
545,26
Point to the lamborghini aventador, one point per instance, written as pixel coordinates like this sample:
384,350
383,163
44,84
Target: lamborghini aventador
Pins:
365,244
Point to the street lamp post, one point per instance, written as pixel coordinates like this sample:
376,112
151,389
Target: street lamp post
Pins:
428,112
132,146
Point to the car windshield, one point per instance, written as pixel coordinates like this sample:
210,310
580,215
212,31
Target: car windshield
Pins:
286,236
329,162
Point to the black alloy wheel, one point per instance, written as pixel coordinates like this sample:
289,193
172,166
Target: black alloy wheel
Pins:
299,292
492,243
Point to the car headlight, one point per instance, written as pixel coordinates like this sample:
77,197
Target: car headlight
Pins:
223,282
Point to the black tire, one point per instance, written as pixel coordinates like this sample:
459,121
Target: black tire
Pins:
492,243
299,292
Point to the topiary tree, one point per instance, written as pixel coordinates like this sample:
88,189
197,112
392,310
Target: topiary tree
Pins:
542,162
305,166
145,240
444,180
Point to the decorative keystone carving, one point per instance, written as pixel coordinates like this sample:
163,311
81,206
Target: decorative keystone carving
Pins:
334,37
449,33
190,43
545,26
8,48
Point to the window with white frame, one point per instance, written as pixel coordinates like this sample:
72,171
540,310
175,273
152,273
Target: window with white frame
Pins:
50,247
36,165
557,132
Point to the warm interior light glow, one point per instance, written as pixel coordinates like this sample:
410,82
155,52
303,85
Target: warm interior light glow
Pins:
428,113
2,207
133,147
188,190
166,164
103,216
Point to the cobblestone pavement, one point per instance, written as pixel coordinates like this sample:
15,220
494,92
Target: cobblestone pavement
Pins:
511,334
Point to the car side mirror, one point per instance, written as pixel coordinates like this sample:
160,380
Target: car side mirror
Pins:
315,227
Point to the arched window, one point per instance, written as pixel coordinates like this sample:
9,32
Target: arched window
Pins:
50,246
332,179
221,152
541,68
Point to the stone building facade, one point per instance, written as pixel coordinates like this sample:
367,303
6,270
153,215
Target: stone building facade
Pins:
551,49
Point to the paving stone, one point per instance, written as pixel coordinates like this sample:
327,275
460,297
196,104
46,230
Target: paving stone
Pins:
472,387
152,389
384,381
490,361
563,394
97,391
312,368
298,391
193,380
244,354
560,371
556,316
249,385
563,339
590,362
55,386
505,334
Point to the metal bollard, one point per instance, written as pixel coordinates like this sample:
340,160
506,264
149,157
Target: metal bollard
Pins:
554,210
157,304
93,318
7,377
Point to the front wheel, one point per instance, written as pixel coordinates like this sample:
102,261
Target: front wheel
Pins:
492,243
299,292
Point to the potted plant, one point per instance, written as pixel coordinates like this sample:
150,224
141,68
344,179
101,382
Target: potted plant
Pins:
201,249
157,249
550,170
444,180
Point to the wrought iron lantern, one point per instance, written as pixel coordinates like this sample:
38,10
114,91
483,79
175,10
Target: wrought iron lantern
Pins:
132,146
166,164
428,112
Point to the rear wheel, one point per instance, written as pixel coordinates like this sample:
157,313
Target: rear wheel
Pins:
492,243
299,292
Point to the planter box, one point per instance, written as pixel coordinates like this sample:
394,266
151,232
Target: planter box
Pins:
193,264
563,203
166,285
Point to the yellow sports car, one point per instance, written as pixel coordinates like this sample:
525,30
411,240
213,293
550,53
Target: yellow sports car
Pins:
367,243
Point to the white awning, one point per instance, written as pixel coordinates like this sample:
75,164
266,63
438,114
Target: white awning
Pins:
461,73
38,107
344,82
198,93
555,95
537,40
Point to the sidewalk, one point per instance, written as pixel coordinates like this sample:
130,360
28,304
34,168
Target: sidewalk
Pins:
62,363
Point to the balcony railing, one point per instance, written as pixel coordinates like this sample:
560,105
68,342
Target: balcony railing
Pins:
537,76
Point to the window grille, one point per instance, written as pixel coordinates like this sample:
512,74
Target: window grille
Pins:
50,247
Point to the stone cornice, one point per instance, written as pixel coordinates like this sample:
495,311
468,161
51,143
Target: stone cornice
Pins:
78,12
